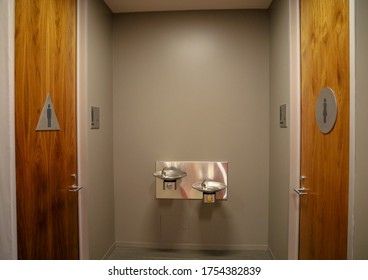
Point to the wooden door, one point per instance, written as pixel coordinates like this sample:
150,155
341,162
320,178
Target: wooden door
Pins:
324,157
45,64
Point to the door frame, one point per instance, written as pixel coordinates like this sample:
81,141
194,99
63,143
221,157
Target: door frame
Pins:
352,131
11,111
82,126
295,129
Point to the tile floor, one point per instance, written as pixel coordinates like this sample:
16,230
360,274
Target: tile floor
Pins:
122,253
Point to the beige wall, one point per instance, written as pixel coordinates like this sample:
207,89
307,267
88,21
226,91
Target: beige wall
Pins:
100,153
191,86
279,137
361,188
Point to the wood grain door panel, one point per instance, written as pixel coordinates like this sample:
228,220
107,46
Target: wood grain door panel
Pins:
45,64
324,157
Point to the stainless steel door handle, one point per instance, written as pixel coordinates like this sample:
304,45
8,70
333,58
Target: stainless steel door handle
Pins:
301,191
75,188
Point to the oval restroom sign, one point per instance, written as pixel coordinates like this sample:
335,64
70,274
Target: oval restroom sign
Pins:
326,110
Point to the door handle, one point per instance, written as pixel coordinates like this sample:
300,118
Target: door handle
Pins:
301,191
74,188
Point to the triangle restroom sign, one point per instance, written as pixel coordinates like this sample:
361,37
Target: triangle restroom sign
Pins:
48,119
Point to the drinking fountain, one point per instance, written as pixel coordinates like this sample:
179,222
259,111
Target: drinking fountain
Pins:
209,189
192,180
170,175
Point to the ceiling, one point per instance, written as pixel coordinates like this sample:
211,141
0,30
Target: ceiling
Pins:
127,6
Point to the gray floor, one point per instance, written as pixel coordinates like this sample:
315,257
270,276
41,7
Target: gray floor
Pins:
121,253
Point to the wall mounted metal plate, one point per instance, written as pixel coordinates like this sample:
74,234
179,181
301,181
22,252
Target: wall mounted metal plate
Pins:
283,116
326,110
196,171
95,117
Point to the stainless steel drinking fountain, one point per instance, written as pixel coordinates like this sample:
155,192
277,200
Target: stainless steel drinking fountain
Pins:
169,176
209,189
201,180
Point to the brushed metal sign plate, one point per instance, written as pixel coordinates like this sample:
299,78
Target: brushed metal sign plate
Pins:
326,110
48,119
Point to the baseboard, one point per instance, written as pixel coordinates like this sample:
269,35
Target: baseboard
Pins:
190,246
109,251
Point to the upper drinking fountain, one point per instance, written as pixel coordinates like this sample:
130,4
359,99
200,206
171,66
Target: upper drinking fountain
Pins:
170,174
